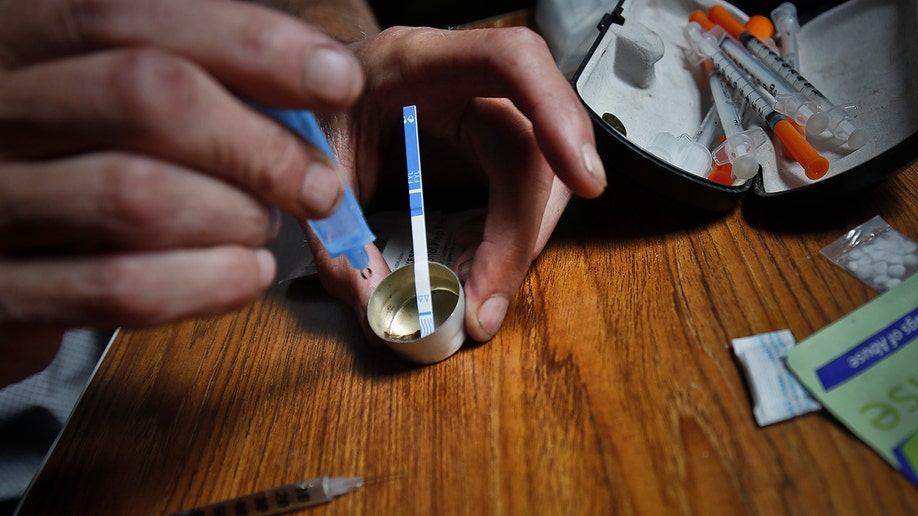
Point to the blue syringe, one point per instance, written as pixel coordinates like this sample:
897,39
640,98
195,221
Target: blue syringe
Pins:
344,232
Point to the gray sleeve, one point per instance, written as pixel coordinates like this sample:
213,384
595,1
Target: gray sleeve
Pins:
33,411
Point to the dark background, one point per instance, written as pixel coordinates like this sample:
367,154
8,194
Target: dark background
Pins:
446,14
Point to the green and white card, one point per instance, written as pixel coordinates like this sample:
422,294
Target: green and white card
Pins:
863,368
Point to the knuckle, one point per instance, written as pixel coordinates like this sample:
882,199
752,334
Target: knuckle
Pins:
282,160
116,293
238,278
261,37
151,85
130,191
517,46
91,24
523,37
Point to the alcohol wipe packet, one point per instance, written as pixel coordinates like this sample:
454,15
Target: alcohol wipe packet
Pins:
776,393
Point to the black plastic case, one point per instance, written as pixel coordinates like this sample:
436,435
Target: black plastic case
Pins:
862,52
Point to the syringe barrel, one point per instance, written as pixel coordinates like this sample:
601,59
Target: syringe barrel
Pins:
719,15
709,129
787,24
768,78
726,109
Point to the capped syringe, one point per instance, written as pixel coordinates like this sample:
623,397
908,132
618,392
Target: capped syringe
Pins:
281,499
692,154
739,147
839,119
803,110
786,25
344,232
707,44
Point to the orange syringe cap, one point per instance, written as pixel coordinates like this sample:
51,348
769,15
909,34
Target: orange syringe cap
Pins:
722,174
760,26
701,19
814,165
719,15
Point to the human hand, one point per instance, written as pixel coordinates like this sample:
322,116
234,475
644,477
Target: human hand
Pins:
491,100
135,187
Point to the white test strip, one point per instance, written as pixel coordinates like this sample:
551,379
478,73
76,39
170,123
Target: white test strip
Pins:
418,226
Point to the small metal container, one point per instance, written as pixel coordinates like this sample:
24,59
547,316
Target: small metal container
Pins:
393,314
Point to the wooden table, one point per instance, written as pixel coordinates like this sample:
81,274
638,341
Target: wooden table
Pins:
611,388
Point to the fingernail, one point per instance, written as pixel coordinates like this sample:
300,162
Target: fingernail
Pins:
593,164
266,267
330,74
321,190
491,314
274,222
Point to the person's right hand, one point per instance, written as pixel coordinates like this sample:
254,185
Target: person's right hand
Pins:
135,186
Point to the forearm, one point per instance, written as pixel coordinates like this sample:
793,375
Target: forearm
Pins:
345,20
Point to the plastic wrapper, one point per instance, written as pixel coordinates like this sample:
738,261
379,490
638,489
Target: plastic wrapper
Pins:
875,253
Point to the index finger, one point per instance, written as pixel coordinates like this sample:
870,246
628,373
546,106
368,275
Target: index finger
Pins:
259,53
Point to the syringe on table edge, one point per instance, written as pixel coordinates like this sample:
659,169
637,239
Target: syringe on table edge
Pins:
839,119
707,45
344,232
281,499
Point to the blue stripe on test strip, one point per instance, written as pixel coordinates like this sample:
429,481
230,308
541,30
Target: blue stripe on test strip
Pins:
416,201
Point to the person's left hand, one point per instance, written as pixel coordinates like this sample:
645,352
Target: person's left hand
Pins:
494,101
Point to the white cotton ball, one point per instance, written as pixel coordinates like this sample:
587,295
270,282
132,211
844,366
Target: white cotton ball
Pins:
880,280
910,260
896,271
874,251
895,258
908,247
880,268
892,282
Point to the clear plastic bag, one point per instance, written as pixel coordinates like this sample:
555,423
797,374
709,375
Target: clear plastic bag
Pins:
875,253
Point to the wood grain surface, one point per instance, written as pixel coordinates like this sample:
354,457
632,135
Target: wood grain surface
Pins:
611,388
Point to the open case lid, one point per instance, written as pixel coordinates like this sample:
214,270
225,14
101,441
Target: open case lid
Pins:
862,52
